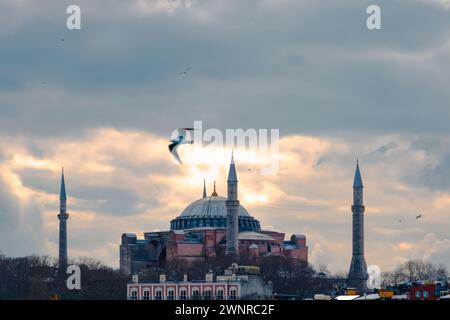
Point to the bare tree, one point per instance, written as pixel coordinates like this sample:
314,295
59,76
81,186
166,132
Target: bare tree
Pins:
414,271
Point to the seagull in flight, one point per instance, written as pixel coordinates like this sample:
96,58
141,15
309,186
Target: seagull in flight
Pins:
181,139
419,216
184,72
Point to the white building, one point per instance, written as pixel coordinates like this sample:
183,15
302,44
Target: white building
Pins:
238,282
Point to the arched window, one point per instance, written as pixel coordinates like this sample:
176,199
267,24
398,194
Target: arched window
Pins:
170,294
158,294
232,295
146,295
195,294
207,294
134,294
220,294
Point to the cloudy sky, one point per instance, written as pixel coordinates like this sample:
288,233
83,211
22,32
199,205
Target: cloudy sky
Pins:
103,103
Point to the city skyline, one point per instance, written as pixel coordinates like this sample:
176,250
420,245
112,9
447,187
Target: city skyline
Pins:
103,102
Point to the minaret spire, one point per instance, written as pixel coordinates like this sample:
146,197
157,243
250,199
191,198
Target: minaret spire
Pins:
204,189
63,216
232,171
62,190
357,276
357,182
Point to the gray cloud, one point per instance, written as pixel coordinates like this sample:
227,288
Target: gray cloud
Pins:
381,151
437,177
313,68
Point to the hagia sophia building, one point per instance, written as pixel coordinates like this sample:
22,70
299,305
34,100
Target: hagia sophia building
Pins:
209,227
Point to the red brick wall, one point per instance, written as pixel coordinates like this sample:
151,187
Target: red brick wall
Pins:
429,288
189,249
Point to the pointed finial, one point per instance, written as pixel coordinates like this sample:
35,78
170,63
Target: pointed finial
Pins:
204,188
232,156
214,194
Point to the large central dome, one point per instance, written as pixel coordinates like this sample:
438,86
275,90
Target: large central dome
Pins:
212,212
213,207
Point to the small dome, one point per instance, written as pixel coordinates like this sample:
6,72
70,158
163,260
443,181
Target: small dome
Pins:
213,207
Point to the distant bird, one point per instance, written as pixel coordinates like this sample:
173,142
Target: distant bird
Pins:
185,71
62,39
419,216
400,220
181,139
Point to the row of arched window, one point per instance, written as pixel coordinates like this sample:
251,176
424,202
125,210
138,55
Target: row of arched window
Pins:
245,224
182,295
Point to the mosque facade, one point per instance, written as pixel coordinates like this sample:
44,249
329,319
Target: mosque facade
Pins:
208,227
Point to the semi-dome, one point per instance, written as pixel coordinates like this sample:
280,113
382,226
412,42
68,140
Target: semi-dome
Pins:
212,212
251,235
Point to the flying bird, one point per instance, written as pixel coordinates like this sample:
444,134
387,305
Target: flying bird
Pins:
419,216
181,139
185,71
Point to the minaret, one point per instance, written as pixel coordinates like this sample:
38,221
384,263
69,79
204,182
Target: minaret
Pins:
232,204
357,276
62,216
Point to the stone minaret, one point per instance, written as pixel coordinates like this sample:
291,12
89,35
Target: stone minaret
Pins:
232,204
62,216
357,276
